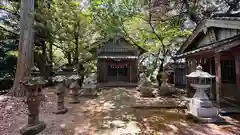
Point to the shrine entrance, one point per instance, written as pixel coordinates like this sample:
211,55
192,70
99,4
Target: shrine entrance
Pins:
117,63
118,72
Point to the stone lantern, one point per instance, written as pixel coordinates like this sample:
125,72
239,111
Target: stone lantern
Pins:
74,88
200,106
60,87
34,96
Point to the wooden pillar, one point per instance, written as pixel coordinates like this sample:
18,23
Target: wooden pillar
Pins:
104,70
98,72
137,70
211,89
187,68
130,72
218,77
237,63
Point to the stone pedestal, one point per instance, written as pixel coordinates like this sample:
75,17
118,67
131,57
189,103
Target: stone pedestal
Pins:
202,108
34,129
34,97
74,87
146,92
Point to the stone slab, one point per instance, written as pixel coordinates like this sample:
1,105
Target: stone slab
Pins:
229,110
63,111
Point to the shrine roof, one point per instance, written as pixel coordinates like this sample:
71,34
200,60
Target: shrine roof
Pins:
219,46
117,57
101,45
202,28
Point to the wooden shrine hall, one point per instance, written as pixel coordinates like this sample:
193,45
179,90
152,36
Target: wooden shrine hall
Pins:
215,45
117,63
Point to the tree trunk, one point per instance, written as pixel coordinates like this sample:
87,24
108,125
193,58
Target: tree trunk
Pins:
44,69
50,51
25,50
159,75
69,58
76,50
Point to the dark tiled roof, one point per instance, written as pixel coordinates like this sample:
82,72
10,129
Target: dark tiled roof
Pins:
117,57
226,18
209,46
200,28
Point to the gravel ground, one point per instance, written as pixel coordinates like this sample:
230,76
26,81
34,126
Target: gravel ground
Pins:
108,114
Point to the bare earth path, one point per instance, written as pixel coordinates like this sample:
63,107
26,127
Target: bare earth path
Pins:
110,113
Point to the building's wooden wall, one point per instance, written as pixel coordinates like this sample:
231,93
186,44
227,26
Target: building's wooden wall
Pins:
179,77
119,47
220,34
223,33
102,70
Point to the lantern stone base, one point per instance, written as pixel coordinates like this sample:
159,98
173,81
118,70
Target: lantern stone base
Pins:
32,130
206,113
74,101
62,111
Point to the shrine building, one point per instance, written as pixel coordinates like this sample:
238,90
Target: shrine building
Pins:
215,45
117,63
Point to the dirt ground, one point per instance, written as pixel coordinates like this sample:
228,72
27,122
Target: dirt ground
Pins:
110,113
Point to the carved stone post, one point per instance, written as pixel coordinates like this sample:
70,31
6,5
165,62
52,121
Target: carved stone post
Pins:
33,99
74,87
60,98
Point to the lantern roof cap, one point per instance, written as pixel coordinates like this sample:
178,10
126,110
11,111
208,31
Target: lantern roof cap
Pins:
199,73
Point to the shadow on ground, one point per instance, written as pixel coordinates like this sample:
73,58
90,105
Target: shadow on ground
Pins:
111,113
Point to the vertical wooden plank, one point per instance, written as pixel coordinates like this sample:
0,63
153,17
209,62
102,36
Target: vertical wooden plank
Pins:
218,77
105,66
237,64
187,68
137,70
98,71
211,35
211,89
130,72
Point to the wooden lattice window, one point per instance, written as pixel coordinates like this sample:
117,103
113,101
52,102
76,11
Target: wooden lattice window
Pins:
228,71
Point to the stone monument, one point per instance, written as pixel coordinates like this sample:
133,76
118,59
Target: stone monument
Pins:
164,89
89,87
145,87
200,106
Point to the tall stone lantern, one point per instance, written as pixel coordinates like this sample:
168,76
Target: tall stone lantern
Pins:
60,91
34,96
200,106
74,89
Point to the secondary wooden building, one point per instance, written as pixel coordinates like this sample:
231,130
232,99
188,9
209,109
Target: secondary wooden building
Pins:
215,44
176,73
117,63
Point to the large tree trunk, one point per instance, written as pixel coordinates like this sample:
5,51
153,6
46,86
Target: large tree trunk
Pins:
159,75
40,60
76,59
25,50
69,58
50,51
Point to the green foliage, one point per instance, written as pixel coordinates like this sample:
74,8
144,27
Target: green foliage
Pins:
60,22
